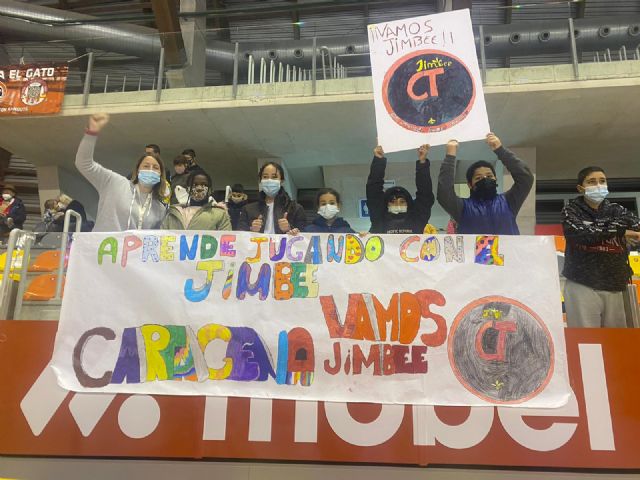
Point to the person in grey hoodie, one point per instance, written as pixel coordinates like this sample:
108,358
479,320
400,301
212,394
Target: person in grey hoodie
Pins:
123,204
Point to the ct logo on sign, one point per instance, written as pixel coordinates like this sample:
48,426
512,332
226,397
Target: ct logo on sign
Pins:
500,350
428,91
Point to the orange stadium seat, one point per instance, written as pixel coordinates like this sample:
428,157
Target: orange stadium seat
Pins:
42,288
47,261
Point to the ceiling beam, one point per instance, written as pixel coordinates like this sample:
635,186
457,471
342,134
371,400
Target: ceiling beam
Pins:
295,22
166,16
508,17
461,4
581,9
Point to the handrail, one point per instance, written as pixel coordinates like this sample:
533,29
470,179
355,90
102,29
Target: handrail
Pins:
63,247
4,290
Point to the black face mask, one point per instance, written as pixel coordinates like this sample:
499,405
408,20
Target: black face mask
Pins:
485,189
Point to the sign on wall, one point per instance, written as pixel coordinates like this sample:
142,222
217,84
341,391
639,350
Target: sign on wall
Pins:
426,81
426,320
32,89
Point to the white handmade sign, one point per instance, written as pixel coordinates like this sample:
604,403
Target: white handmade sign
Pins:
447,320
426,82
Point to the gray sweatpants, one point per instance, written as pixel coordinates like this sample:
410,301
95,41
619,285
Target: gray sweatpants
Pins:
586,307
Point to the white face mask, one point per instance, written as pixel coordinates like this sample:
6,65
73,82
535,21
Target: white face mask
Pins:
7,196
396,209
328,211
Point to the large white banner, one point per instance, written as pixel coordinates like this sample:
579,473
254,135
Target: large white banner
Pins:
426,81
409,319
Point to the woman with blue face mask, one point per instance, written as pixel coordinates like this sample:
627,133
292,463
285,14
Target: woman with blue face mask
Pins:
275,211
123,204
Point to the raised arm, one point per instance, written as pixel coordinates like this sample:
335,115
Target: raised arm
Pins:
522,176
375,190
424,186
446,193
97,175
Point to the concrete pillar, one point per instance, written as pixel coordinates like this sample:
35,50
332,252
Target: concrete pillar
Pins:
527,215
54,180
48,183
193,36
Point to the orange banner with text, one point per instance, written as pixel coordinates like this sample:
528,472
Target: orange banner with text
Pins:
32,89
599,427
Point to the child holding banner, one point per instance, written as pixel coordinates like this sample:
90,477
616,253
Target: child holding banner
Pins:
394,210
123,204
485,211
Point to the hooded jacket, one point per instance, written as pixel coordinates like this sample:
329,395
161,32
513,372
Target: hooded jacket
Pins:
234,210
418,211
596,254
320,225
282,203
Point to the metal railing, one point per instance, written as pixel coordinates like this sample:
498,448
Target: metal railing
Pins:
16,265
262,70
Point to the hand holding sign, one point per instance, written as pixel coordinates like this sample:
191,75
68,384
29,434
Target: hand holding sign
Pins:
378,152
493,141
452,148
422,152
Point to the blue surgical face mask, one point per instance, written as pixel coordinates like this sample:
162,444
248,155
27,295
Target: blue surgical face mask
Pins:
148,178
596,193
270,187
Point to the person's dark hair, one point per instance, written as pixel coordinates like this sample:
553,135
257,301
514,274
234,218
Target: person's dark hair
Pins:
277,166
189,151
237,188
476,165
180,160
154,147
585,172
324,191
202,173
159,188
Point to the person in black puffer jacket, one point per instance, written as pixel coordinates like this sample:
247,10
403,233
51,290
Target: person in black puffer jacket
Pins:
395,210
275,211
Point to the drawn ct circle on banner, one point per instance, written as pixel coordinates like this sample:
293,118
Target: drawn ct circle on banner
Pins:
428,91
3,92
500,350
34,92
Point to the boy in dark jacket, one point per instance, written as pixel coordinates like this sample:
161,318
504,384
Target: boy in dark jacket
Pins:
596,260
486,210
394,210
12,210
237,201
180,177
